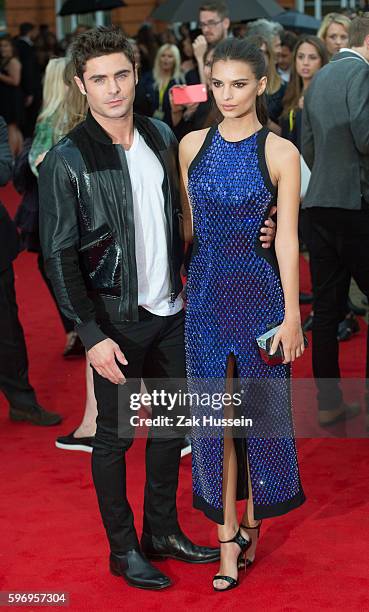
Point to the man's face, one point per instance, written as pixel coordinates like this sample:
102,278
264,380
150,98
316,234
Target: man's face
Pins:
33,34
365,48
109,84
213,27
285,58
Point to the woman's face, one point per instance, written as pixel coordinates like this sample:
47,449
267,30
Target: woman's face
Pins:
307,61
207,68
235,88
285,58
167,61
6,49
336,38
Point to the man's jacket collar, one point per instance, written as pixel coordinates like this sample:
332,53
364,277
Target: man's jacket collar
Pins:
143,124
348,54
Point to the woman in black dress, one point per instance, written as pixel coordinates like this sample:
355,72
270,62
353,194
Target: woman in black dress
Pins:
10,93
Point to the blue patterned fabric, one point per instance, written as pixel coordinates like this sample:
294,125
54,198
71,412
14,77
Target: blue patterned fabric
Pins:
234,292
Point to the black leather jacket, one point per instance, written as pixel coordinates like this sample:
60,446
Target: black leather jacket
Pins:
87,223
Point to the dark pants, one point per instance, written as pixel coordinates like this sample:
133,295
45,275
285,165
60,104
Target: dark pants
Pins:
154,348
14,381
338,250
306,232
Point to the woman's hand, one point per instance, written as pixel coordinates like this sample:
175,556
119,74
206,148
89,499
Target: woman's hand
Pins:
190,109
292,339
176,108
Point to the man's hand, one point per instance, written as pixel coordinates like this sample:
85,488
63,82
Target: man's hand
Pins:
102,357
199,46
269,230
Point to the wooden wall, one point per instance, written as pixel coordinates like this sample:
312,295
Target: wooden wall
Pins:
35,11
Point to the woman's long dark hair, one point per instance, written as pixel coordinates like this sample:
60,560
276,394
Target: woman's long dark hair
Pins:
241,50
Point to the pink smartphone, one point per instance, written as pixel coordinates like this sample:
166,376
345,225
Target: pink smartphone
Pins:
189,94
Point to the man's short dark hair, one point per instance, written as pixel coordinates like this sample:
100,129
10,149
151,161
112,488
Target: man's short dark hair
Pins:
220,8
25,28
289,40
97,42
358,31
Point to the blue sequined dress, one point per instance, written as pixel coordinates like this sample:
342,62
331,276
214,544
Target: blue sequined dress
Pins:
234,293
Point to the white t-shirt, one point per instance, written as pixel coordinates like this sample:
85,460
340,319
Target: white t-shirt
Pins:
147,175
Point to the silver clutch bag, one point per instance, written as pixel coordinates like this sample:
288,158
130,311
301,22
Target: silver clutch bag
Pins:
265,342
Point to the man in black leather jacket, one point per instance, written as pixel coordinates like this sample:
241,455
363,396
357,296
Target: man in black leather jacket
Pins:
89,230
109,228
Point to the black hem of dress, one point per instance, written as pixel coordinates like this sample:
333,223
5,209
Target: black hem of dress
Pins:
260,512
212,513
263,512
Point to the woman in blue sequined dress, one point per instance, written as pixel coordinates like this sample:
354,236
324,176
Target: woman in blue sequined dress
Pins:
233,174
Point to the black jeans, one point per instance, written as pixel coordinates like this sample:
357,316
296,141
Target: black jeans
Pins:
338,250
14,381
154,348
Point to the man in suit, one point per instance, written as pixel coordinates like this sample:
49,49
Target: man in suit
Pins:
335,145
31,84
14,383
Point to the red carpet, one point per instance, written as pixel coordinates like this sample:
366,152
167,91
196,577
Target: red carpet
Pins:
315,558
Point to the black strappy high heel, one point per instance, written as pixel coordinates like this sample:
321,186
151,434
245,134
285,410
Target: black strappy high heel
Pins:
244,546
243,562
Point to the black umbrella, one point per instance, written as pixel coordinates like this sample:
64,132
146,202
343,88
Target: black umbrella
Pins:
79,7
239,10
298,21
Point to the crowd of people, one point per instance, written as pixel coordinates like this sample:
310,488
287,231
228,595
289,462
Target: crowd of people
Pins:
288,85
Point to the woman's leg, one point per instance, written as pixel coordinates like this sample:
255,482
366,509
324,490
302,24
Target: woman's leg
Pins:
87,427
248,516
229,552
249,520
15,139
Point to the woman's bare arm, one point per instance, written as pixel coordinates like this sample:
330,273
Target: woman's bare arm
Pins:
14,77
189,146
284,162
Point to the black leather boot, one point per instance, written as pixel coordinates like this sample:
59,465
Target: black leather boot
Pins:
138,571
35,415
177,546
